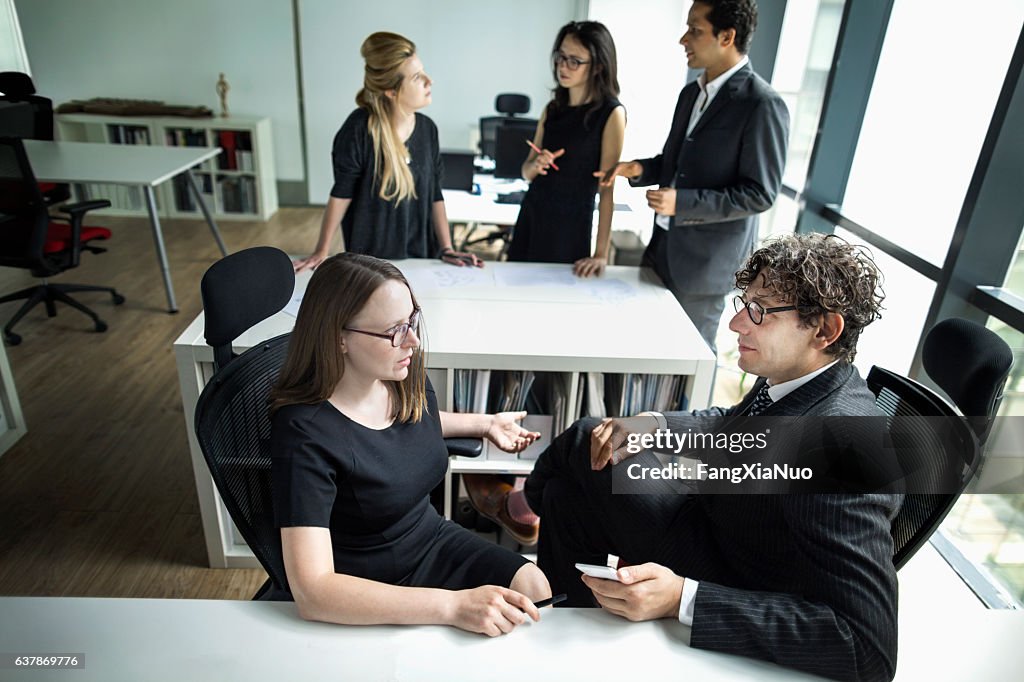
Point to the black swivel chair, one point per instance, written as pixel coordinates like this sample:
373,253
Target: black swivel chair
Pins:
974,380
509,105
30,240
232,423
18,87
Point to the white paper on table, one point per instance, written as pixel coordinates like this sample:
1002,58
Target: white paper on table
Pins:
444,276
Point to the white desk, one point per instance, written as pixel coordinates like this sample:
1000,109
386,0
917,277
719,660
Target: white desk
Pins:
156,639
145,166
474,319
482,209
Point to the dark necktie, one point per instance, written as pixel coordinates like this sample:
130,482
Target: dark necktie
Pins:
761,402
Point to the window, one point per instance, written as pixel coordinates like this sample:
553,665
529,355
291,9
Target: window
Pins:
1015,277
938,78
806,45
890,341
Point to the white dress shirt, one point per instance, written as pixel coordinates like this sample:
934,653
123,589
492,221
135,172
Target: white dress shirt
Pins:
707,94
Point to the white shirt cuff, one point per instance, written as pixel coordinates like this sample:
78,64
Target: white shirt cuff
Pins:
662,221
686,601
659,417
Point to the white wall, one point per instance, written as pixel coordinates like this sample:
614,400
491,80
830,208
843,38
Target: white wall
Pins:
171,50
473,50
652,66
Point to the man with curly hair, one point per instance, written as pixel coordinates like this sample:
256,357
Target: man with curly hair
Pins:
720,167
805,580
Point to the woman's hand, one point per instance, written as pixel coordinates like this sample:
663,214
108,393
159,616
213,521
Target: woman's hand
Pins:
585,267
310,262
460,258
505,432
490,610
546,159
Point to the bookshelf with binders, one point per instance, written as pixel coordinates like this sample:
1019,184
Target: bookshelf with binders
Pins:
238,184
553,401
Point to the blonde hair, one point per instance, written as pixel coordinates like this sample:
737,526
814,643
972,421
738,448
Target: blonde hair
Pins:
384,54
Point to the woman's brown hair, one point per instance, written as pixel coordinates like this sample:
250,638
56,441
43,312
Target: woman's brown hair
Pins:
337,292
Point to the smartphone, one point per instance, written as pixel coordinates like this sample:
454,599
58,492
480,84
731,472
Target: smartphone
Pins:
595,571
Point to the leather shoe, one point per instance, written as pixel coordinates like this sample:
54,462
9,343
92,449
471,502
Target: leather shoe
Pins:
487,494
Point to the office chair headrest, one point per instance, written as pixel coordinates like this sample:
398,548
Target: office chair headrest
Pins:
512,104
16,84
970,363
242,289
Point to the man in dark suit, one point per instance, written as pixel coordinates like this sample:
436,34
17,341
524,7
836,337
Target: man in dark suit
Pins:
805,580
721,165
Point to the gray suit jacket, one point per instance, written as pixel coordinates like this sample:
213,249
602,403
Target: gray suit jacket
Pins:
726,172
806,581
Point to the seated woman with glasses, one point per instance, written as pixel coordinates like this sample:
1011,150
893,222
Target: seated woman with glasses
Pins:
580,132
357,446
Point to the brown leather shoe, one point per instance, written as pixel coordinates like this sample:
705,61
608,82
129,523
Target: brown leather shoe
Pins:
487,494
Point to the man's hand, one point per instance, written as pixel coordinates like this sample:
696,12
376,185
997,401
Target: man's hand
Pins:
663,201
646,592
627,169
608,439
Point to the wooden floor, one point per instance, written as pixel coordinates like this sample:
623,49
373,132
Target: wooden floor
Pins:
98,498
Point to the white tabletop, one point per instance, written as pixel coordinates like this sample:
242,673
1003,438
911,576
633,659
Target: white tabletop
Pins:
121,164
163,639
531,316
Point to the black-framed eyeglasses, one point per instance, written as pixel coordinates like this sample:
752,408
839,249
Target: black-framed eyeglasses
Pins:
397,334
572,63
756,311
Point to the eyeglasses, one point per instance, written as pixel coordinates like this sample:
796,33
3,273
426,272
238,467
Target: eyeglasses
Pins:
756,311
397,334
570,62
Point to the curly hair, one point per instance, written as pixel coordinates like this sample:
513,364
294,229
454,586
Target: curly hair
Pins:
821,273
736,14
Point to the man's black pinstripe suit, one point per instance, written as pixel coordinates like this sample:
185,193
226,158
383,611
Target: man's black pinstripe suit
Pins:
806,581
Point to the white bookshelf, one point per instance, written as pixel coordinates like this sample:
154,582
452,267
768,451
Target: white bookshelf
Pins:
239,184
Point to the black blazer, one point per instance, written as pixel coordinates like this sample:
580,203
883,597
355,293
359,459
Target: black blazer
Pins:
726,172
806,581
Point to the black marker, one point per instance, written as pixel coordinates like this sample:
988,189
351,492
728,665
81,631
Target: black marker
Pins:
550,601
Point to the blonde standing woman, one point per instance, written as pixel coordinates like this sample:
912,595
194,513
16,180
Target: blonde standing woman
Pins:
387,165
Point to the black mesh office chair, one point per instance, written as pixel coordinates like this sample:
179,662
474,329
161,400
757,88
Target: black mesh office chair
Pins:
974,380
18,87
509,105
232,423
31,240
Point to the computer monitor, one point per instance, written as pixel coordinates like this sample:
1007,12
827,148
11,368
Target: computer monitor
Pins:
510,149
458,170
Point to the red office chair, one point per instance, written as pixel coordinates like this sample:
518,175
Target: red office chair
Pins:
29,239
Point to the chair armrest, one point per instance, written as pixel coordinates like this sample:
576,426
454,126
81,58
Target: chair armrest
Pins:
464,447
81,207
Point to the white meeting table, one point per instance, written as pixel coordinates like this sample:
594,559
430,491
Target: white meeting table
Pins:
140,165
175,640
506,316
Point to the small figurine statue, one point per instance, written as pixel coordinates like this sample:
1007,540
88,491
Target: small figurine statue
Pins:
222,92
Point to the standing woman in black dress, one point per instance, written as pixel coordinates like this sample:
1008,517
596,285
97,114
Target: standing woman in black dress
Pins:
357,445
580,131
387,165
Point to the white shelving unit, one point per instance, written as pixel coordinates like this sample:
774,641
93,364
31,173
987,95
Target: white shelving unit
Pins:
239,184
479,320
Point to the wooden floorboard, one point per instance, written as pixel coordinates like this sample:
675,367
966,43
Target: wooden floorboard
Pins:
98,498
